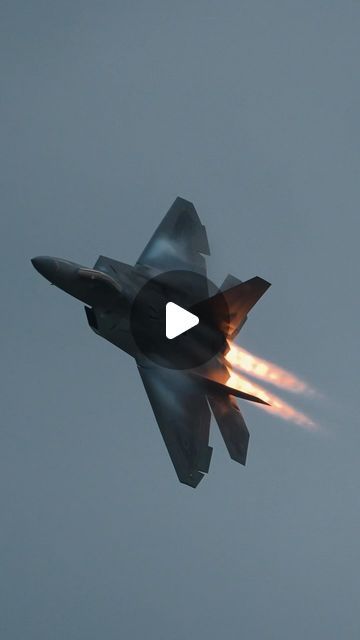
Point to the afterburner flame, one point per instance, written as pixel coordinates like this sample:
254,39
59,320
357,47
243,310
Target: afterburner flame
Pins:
241,360
277,406
265,370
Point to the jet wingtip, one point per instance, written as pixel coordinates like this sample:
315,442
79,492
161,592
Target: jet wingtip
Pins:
185,201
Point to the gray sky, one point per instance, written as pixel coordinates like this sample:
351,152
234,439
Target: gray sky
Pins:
108,111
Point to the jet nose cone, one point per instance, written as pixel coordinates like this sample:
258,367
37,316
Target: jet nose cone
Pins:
36,262
46,266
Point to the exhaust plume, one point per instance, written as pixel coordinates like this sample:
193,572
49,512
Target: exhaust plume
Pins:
256,367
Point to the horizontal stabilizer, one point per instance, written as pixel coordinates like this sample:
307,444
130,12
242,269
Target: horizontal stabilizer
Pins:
215,387
239,300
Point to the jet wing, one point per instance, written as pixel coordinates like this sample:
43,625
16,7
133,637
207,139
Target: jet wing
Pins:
178,242
183,416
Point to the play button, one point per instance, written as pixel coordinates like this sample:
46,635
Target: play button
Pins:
178,320
171,323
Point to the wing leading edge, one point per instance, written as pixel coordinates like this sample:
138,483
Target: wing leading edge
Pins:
178,242
183,416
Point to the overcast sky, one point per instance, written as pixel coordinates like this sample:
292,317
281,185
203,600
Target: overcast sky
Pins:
108,111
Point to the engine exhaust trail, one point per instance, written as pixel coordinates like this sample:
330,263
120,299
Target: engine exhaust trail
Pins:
277,406
246,362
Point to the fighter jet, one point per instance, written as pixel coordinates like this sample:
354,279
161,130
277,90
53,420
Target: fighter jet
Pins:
167,315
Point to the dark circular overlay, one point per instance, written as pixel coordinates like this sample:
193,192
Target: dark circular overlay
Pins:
196,294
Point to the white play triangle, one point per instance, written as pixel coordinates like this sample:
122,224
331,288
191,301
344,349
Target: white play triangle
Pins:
178,320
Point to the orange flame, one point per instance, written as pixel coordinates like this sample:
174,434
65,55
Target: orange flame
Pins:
243,361
277,406
265,370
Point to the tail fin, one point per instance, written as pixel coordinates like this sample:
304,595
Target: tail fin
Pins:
239,299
